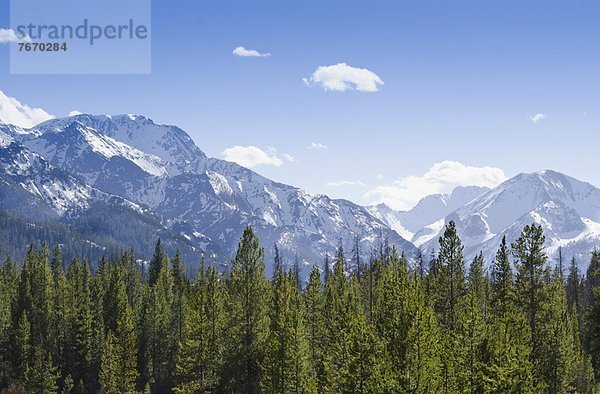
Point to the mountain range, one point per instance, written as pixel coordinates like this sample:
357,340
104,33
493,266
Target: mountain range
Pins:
66,167
567,209
123,181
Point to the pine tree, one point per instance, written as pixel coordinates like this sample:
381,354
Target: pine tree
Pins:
580,372
447,287
109,373
196,370
22,356
286,367
449,282
118,371
556,348
40,292
356,361
471,346
178,303
326,268
502,281
528,250
314,310
574,292
9,282
156,263
276,364
477,281
302,377
125,343
509,368
297,272
247,319
340,303
98,331
214,312
59,311
593,312
161,337
41,376
78,323
422,371
356,257
392,312
277,262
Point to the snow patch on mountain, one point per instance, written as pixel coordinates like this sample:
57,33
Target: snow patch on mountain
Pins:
418,223
170,143
5,139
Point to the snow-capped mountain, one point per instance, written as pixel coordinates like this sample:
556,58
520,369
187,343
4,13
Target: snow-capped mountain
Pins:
160,168
426,218
32,183
169,143
566,208
103,162
63,168
39,192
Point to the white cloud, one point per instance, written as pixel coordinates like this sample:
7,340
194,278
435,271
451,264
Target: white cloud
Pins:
346,183
251,156
443,177
14,112
289,157
379,176
341,77
243,52
537,117
9,35
317,145
75,113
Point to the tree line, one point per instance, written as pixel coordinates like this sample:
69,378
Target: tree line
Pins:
377,326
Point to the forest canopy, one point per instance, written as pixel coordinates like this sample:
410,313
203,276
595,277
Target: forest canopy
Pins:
511,325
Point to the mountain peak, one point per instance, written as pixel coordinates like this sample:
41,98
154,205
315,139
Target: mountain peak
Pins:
424,217
568,209
167,142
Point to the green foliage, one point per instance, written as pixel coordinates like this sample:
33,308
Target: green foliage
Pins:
247,319
448,278
593,312
503,291
356,361
388,327
392,312
314,318
509,368
199,357
287,364
118,370
40,376
421,373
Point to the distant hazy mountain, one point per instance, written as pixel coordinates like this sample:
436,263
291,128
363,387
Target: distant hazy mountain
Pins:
425,219
566,208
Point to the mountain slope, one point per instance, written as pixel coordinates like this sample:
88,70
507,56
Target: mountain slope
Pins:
425,219
566,208
36,191
160,168
170,143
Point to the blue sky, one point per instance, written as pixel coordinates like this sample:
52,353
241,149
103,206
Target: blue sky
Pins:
461,80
